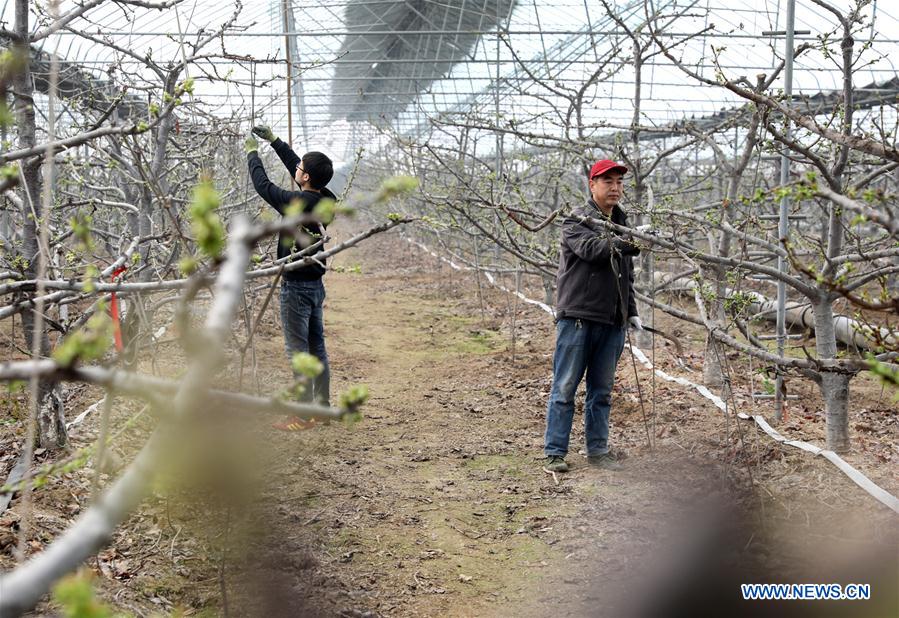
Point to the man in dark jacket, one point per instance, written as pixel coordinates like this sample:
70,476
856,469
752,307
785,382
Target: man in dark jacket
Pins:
594,304
302,290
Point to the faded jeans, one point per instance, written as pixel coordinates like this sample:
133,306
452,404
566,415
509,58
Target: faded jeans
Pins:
594,348
304,330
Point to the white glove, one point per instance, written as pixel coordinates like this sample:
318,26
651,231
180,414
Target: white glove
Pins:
645,228
635,322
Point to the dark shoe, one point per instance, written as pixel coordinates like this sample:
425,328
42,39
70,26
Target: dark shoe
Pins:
555,464
606,461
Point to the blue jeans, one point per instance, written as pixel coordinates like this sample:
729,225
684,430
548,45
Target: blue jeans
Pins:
582,345
304,330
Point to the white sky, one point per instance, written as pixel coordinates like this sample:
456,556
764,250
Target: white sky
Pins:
668,94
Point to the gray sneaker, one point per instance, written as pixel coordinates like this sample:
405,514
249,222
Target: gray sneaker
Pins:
606,461
555,464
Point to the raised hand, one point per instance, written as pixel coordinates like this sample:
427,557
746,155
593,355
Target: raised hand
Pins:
264,132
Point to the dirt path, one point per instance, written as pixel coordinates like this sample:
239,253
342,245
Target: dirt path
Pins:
435,504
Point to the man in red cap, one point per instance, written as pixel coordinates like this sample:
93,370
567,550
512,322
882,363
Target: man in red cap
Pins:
594,304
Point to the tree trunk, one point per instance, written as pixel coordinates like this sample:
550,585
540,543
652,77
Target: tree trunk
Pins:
144,229
645,281
549,290
157,166
834,386
51,415
712,375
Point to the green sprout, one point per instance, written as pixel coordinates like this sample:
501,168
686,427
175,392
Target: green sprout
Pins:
307,365
80,224
397,185
294,208
91,274
354,397
75,594
187,86
89,342
205,222
884,372
325,210
294,392
187,265
9,172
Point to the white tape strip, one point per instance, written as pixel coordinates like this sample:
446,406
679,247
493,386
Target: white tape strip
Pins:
78,419
857,477
487,275
530,301
439,257
702,390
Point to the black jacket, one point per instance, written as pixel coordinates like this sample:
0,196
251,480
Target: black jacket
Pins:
596,269
280,199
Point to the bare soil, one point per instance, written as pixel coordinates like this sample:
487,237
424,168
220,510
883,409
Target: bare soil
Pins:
435,504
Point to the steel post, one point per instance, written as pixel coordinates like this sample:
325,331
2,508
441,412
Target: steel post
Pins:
783,221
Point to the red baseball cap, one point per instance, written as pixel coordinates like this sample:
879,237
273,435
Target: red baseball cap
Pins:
606,165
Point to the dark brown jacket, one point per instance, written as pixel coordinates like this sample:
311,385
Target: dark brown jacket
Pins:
596,269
